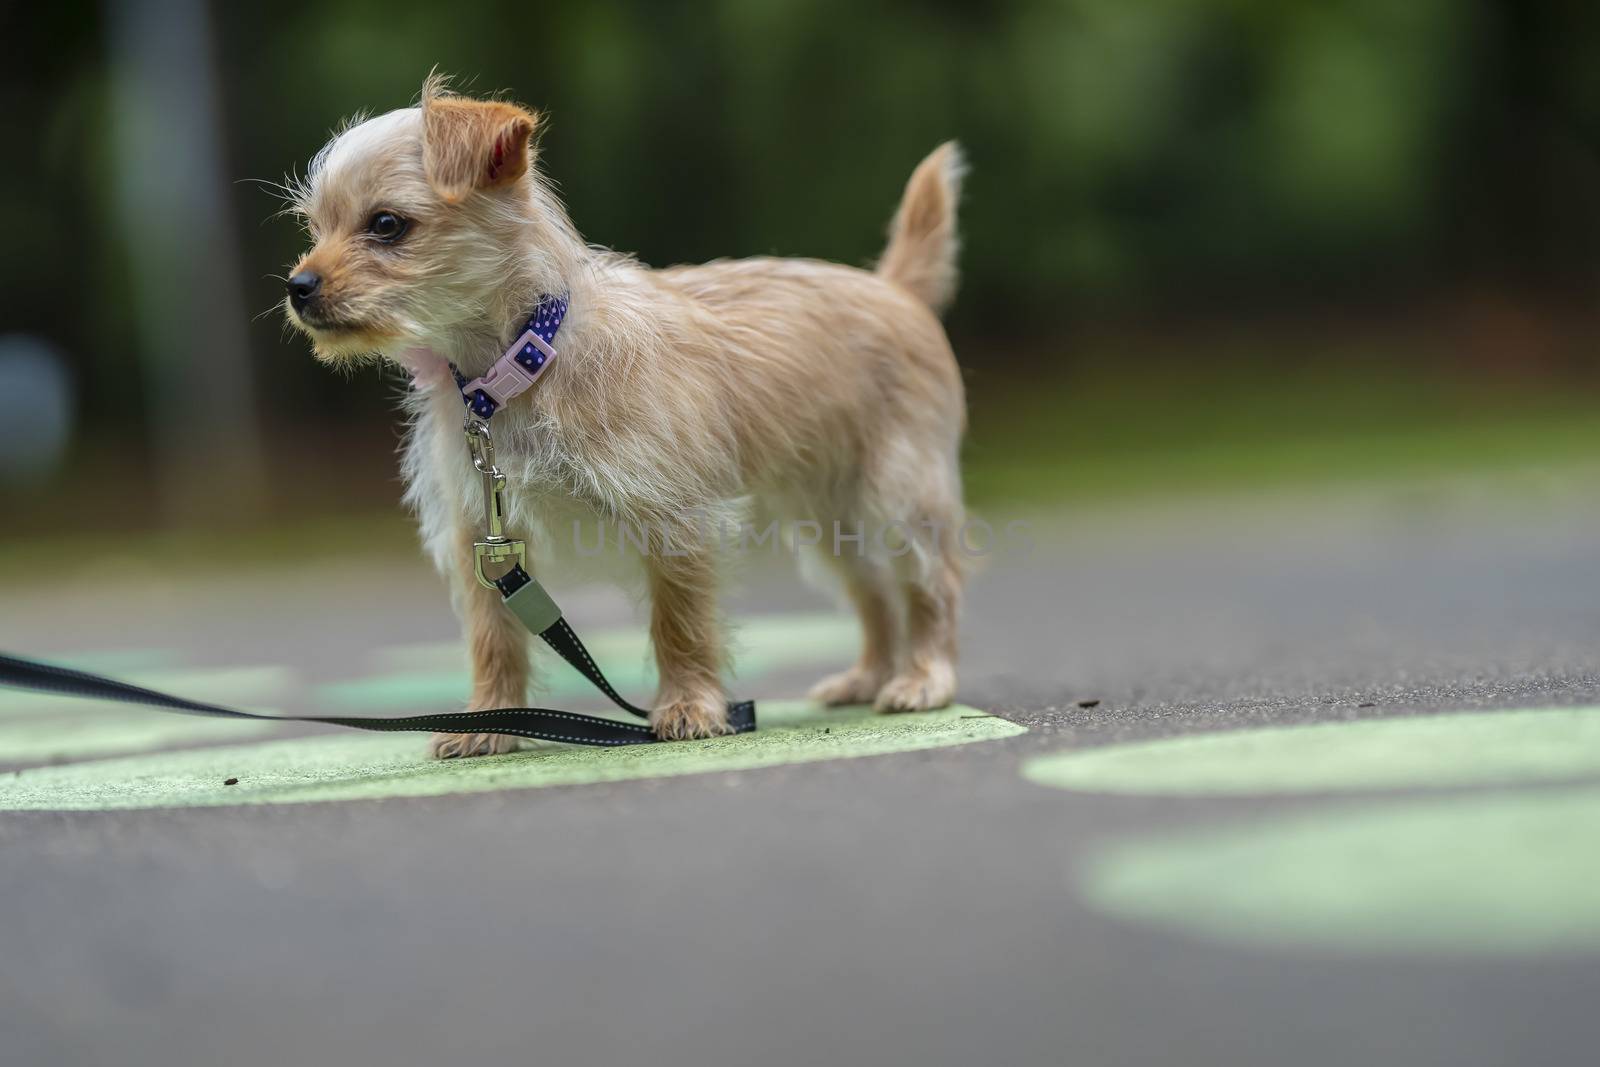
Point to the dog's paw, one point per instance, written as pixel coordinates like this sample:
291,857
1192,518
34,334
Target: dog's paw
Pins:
857,685
918,690
458,746
690,718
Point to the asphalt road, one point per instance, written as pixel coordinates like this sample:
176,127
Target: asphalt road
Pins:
919,908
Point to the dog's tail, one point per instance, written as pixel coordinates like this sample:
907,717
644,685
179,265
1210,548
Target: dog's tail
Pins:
922,238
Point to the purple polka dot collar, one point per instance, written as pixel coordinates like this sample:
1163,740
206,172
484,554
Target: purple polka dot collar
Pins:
515,372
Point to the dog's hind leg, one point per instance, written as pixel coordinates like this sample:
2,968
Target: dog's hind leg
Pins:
932,575
928,678
498,645
869,583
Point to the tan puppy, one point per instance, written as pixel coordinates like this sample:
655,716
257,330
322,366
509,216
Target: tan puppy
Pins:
815,392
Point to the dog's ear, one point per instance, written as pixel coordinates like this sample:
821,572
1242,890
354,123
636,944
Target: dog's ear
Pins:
473,144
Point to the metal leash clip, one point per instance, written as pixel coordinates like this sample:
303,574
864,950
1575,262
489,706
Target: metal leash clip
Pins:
496,547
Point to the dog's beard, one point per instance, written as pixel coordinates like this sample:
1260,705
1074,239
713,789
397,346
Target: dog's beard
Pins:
339,339
343,349
346,344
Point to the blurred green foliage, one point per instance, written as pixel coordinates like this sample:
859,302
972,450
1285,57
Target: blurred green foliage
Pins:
1131,157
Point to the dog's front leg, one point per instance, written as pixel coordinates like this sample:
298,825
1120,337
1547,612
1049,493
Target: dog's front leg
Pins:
687,636
498,645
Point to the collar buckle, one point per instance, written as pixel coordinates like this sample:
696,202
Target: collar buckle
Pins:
515,372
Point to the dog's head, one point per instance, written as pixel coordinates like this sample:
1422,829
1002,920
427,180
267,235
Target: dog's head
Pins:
415,218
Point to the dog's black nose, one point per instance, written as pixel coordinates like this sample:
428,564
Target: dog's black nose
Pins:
302,287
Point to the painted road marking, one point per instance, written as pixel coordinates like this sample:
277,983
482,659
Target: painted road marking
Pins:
243,686
35,728
1480,748
401,691
352,766
797,636
426,675
88,734
1494,874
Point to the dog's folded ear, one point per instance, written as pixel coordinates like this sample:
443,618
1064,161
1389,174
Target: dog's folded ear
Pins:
473,144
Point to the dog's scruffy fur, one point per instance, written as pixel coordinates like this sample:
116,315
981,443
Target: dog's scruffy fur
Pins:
812,391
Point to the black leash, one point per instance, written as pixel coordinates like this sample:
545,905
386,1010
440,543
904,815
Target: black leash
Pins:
525,597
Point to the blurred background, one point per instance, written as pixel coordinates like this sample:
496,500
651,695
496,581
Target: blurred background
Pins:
1211,245
1279,323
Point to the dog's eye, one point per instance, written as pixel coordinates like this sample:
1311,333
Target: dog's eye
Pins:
386,226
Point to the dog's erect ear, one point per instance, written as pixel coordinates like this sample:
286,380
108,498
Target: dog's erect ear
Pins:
473,144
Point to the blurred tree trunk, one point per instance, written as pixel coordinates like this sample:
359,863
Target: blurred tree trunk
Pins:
171,191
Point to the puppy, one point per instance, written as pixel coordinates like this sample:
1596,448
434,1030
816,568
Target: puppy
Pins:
817,393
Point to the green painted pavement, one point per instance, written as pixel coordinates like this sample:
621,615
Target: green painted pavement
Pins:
356,766
36,727
1483,748
796,636
417,676
123,660
89,734
1487,875
239,686
410,690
